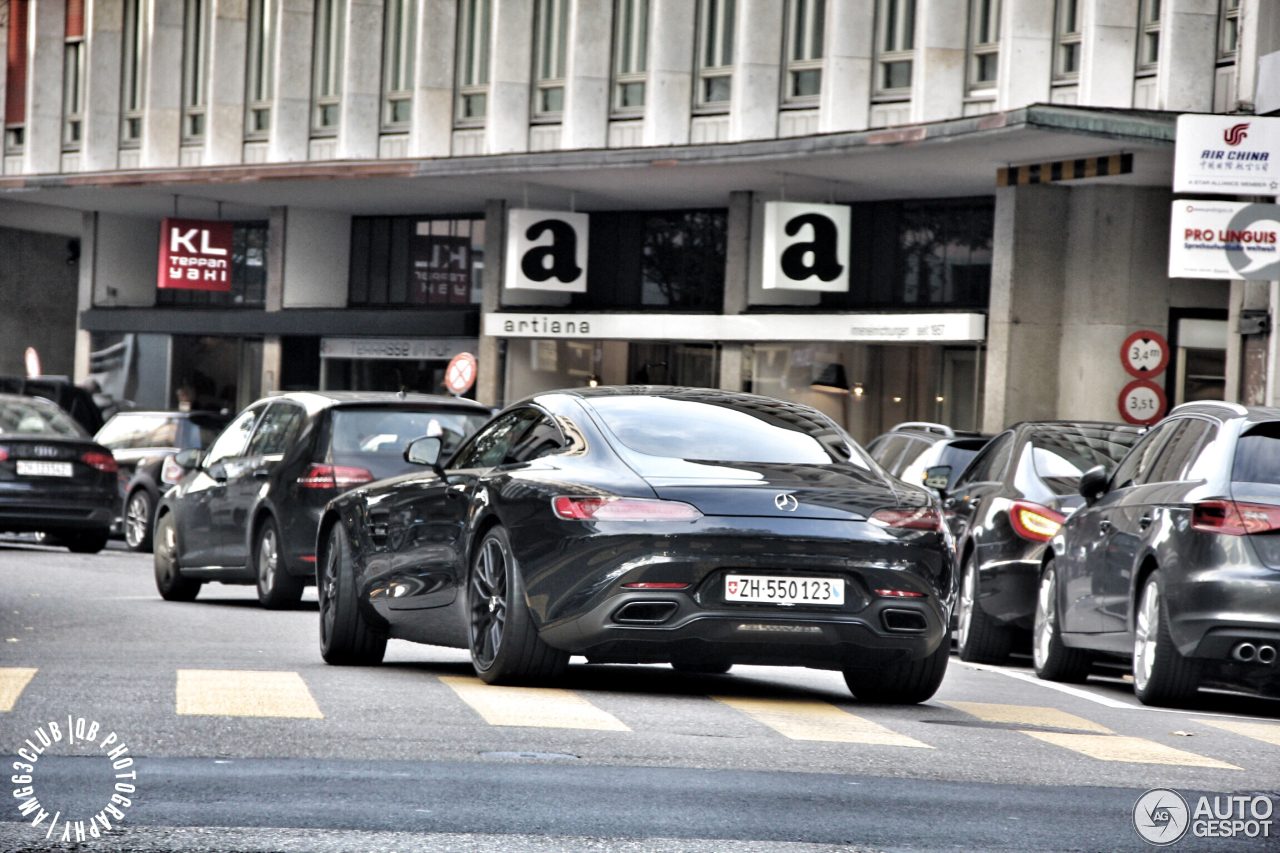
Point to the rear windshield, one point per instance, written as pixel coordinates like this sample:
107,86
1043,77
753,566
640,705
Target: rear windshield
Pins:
375,439
720,431
124,432
32,416
1060,456
958,453
1258,455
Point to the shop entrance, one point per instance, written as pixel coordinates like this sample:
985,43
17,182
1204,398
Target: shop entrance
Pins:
214,373
535,366
412,365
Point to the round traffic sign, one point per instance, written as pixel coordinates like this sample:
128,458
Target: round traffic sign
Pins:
1142,402
1144,354
460,375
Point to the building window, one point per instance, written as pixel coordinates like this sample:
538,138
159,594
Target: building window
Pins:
73,79
1149,35
895,46
984,44
806,24
397,65
424,262
248,274
132,95
630,56
1068,29
1228,31
195,69
260,83
473,61
15,99
551,30
327,68
715,53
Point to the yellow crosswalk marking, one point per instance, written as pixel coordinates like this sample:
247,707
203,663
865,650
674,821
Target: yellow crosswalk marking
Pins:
13,680
809,719
536,707
1258,731
1131,749
1028,715
245,693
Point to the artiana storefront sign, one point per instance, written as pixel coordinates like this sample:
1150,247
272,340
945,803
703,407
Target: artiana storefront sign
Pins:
1224,239
195,255
546,250
806,246
1227,154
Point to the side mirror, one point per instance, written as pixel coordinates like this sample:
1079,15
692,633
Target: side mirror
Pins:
425,451
938,477
188,460
1094,483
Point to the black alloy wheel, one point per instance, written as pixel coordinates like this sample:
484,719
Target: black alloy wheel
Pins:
978,638
902,682
1162,676
1054,661
504,642
346,639
169,580
137,521
277,589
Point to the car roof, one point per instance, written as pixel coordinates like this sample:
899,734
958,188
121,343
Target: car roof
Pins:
203,413
676,392
315,401
1106,425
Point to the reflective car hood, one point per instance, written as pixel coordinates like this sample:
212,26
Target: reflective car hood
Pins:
842,492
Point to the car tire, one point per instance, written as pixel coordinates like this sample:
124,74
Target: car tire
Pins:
1053,660
1161,675
346,639
707,668
85,542
139,511
978,639
902,682
503,639
169,580
277,589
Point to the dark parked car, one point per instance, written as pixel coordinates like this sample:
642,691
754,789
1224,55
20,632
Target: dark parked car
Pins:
1174,563
62,392
1003,508
246,511
910,449
54,479
144,444
646,524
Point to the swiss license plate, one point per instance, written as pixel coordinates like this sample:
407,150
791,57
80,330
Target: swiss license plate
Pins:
34,468
784,590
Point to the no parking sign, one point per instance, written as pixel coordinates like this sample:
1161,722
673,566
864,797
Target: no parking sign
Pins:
460,375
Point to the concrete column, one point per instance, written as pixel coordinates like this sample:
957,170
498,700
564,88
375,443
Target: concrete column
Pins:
757,62
488,378
1188,55
1109,41
510,77
122,264
317,258
848,73
586,98
271,363
291,113
737,265
162,118
228,44
669,91
938,76
1259,35
1026,53
277,248
730,378
46,32
104,28
1231,391
431,133
84,293
360,120
1023,324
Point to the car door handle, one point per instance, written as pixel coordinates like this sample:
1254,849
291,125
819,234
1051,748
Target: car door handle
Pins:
1104,525
1144,522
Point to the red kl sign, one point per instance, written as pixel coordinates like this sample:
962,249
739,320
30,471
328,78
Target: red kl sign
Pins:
195,255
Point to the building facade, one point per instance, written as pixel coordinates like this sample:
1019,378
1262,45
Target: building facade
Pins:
1000,171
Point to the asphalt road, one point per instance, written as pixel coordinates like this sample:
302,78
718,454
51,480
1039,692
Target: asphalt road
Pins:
243,739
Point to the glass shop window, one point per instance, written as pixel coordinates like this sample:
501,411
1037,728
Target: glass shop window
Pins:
417,261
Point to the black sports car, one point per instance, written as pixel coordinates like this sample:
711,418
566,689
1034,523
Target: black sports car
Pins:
646,524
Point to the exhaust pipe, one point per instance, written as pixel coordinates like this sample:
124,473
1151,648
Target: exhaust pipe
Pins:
1246,652
1267,654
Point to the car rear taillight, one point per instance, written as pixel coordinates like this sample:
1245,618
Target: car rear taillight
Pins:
922,518
171,472
334,477
104,462
1234,518
622,509
1034,522
4,453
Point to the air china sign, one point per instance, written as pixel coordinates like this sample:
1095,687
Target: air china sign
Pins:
1227,154
195,255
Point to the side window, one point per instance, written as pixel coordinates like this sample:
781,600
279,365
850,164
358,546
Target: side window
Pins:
491,446
989,465
277,429
1176,455
911,454
542,439
234,438
888,450
1134,466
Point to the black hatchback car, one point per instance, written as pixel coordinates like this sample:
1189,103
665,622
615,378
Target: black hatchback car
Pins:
646,524
1004,508
1175,561
246,509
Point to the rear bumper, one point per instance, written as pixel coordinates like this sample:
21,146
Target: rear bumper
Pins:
52,515
1214,609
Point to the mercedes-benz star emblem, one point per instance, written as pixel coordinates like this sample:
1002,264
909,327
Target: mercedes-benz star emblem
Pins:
786,503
